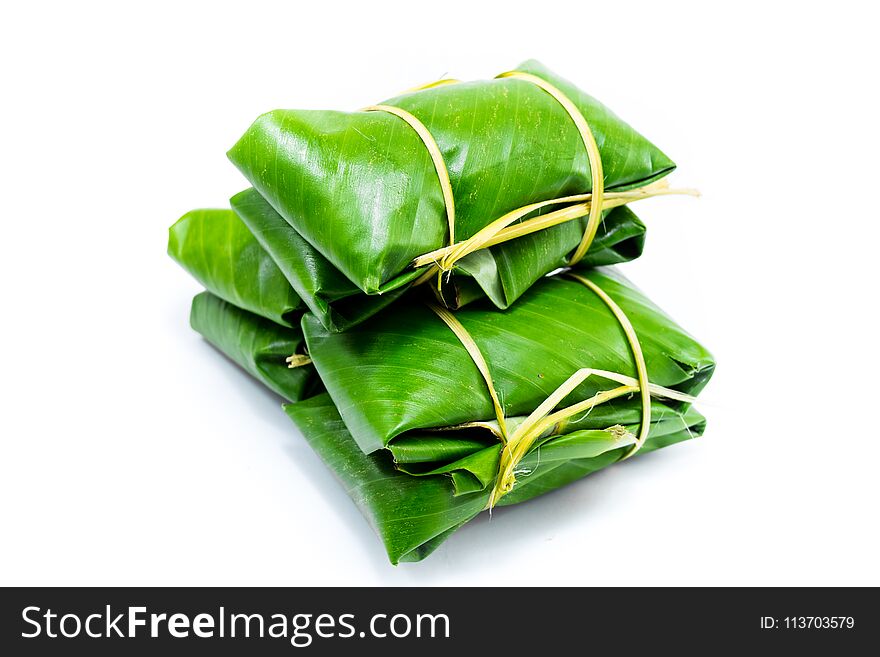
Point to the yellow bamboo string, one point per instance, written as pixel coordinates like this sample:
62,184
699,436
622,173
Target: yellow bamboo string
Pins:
436,156
638,357
432,85
297,360
476,355
597,177
518,444
501,230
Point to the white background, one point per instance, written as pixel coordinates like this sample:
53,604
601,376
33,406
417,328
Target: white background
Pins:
133,454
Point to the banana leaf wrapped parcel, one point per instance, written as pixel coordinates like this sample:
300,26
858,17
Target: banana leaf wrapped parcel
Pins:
417,441
430,421
397,192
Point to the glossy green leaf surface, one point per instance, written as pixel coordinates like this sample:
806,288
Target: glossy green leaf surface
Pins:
222,254
362,189
404,371
257,344
331,297
413,515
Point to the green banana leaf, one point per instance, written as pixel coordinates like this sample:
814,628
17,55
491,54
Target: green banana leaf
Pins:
339,304
413,515
404,371
258,345
361,187
328,294
221,253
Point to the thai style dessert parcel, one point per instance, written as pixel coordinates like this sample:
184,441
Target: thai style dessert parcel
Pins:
429,283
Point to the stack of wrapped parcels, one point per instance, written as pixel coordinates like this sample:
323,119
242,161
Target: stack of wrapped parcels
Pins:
428,283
